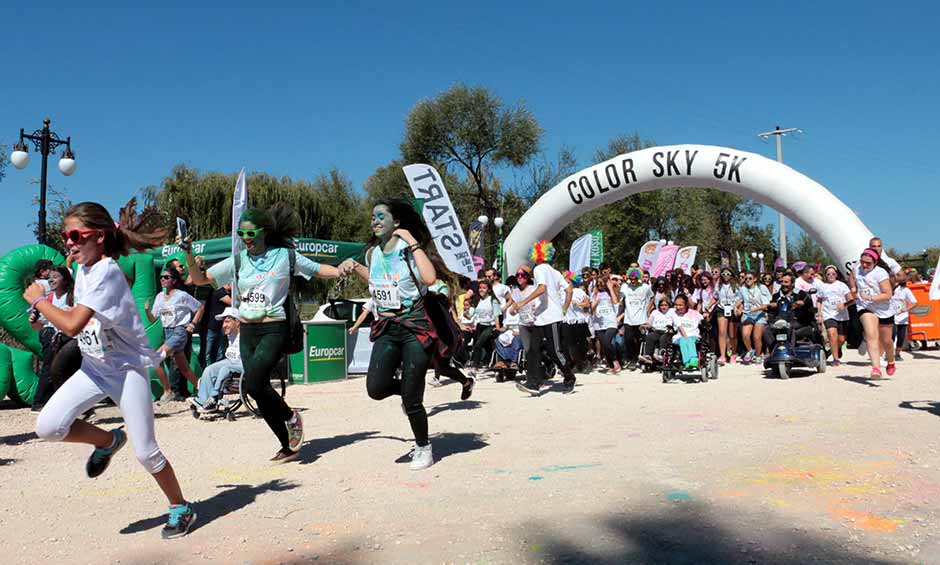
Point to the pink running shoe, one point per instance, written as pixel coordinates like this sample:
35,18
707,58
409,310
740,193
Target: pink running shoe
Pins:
890,369
875,374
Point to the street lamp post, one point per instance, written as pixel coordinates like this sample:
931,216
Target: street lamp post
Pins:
45,142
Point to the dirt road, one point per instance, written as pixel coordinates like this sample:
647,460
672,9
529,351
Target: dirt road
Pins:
745,469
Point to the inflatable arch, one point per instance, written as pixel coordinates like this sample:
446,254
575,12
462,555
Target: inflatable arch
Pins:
823,216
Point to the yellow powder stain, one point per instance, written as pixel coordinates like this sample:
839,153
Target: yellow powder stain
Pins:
865,520
779,502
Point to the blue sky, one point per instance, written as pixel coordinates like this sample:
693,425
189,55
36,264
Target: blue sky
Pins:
295,88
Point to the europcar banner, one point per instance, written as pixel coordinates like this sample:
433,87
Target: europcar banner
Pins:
426,184
685,258
647,256
214,250
597,248
580,256
665,260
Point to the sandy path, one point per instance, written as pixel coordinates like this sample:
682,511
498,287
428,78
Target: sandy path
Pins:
745,469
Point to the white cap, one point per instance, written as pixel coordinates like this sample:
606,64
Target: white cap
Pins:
228,312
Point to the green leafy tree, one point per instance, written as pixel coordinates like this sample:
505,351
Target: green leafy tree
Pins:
806,249
472,128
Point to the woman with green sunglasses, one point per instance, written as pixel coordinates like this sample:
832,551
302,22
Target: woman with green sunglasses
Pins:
262,285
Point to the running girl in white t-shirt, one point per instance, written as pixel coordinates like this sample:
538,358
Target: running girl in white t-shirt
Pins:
179,314
832,296
114,347
871,287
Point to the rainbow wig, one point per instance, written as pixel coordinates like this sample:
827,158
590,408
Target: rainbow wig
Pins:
542,252
634,272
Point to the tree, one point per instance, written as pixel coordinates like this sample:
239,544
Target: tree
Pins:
57,204
472,128
809,251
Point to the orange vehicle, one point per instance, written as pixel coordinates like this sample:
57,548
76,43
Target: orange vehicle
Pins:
925,317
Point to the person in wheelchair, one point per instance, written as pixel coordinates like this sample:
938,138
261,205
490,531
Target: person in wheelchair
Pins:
796,307
687,334
657,333
215,375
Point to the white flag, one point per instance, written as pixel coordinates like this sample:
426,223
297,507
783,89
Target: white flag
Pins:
685,257
580,256
239,203
648,253
935,283
441,218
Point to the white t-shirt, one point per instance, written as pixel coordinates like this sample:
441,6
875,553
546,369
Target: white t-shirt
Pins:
636,302
832,295
688,321
703,296
233,352
801,284
526,314
902,297
660,321
62,303
176,309
263,281
500,291
114,339
893,265
487,310
869,284
548,309
727,299
577,314
605,313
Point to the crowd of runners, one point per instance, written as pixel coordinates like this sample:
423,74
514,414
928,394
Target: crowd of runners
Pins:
539,322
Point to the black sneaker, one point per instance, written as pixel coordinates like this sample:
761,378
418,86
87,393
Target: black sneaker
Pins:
569,386
467,389
182,517
523,387
101,457
285,456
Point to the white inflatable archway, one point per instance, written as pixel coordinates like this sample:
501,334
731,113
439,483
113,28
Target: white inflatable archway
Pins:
823,216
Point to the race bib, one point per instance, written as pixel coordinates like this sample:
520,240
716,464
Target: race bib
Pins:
92,340
232,353
254,304
604,310
526,317
385,295
727,309
167,318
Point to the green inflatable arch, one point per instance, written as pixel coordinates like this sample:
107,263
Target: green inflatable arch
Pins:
17,378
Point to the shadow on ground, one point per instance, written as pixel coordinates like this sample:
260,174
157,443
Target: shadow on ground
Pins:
930,406
313,449
685,533
456,405
18,439
447,444
232,499
860,380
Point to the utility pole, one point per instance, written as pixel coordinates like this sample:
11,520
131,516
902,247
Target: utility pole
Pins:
779,133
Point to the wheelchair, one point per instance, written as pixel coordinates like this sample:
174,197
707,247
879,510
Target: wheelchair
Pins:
673,368
232,394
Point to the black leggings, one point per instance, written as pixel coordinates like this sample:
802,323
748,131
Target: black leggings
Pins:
444,367
575,338
551,335
482,345
262,347
398,347
656,338
607,344
631,342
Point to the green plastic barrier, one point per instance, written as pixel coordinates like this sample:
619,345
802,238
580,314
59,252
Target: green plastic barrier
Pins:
25,379
6,370
16,269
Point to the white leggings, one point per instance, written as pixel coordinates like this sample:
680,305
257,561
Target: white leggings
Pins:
130,391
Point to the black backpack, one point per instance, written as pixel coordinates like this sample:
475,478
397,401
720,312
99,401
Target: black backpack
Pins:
295,330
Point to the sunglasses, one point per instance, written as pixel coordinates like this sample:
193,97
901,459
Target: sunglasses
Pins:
522,274
748,278
249,233
165,277
76,236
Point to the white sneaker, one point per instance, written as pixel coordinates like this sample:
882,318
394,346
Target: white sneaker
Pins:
422,458
165,398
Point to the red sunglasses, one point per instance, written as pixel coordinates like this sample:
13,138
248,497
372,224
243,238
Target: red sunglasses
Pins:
76,236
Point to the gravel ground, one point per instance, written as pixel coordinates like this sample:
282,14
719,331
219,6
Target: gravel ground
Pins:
746,469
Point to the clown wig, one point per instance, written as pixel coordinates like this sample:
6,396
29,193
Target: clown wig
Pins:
542,252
